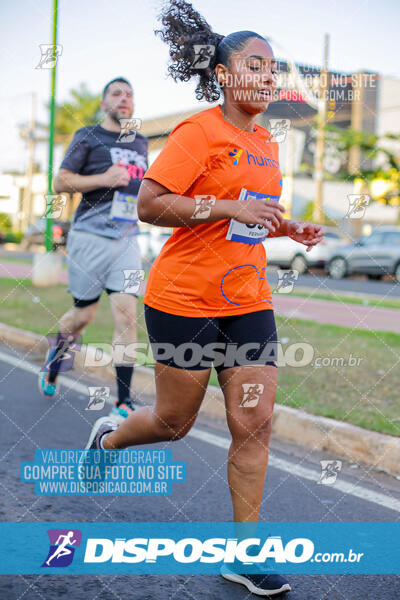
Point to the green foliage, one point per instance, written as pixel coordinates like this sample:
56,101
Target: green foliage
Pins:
81,110
6,228
12,238
371,147
5,222
308,215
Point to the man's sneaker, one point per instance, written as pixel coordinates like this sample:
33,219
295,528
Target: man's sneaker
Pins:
101,426
50,390
46,388
120,412
259,584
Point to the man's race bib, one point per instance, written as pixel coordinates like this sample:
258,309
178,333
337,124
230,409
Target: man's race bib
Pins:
124,207
249,234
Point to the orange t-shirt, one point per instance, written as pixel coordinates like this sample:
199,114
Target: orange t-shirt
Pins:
199,273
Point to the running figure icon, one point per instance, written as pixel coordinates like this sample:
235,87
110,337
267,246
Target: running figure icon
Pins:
62,549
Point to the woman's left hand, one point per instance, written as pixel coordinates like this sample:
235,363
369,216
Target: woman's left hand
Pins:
308,234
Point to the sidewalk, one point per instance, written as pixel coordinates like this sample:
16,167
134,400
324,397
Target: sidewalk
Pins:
15,270
356,316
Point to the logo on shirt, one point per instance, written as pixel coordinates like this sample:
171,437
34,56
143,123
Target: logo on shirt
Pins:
134,162
253,159
237,153
125,155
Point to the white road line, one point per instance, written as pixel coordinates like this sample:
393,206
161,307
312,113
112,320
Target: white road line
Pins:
76,386
305,473
221,442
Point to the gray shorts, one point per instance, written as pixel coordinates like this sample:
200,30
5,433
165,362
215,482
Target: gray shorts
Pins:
96,263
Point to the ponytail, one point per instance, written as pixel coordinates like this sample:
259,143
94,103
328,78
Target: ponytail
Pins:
189,35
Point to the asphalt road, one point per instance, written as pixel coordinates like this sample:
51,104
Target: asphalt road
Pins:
28,421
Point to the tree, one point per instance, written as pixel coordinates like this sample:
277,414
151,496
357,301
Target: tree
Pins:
386,170
80,110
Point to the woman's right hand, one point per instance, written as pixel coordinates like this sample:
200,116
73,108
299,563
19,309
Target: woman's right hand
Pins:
259,212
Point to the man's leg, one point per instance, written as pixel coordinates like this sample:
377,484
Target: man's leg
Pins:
71,325
126,260
123,307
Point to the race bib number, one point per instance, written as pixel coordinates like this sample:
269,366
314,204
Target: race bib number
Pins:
248,234
124,207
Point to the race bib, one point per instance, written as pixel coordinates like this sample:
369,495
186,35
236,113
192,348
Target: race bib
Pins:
124,207
248,234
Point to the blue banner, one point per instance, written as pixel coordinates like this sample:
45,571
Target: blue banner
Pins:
190,548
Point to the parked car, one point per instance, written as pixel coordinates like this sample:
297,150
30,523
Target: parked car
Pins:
286,253
375,255
35,234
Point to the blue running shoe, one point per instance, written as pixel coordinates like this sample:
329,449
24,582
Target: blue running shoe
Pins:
49,390
120,412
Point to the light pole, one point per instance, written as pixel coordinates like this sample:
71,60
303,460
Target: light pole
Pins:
48,236
47,267
320,146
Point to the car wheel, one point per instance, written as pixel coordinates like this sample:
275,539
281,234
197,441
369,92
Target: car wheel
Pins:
374,276
397,273
299,264
337,268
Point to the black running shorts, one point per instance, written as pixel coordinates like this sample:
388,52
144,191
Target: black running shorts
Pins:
197,343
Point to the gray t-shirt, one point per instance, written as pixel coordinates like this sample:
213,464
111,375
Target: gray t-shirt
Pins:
93,150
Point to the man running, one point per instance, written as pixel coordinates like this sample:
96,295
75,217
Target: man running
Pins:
107,166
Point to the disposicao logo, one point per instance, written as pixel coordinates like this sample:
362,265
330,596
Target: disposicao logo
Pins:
193,550
62,547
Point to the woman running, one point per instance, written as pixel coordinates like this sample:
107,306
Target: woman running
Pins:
207,289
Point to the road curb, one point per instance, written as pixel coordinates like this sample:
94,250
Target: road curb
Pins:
318,433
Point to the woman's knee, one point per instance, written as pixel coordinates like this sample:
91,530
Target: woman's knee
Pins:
250,427
251,441
173,426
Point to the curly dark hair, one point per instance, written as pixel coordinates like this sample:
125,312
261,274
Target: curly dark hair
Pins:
183,28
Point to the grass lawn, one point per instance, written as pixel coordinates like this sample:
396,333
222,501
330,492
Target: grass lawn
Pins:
22,261
366,395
